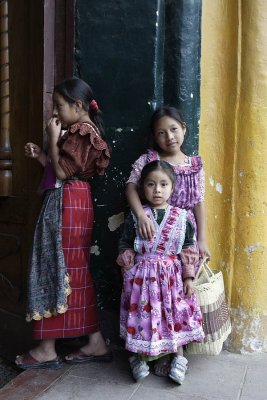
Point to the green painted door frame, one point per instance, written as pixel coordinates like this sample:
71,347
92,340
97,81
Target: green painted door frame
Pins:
136,55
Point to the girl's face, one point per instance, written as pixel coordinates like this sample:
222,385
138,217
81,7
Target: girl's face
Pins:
157,188
169,135
65,112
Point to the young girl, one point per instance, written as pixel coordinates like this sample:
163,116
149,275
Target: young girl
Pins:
159,312
168,132
61,298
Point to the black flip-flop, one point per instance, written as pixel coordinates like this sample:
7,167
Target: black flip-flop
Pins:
29,362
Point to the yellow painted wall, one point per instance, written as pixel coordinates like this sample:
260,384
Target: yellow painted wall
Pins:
233,143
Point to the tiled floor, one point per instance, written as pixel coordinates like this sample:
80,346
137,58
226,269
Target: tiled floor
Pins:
225,377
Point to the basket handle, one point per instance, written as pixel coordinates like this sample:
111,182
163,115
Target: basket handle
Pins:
205,268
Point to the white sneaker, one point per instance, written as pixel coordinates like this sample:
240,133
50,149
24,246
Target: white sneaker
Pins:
178,369
140,369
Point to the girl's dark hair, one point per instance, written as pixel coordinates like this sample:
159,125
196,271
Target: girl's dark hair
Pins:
166,111
157,165
75,89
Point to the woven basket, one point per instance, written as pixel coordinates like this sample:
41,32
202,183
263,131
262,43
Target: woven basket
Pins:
209,289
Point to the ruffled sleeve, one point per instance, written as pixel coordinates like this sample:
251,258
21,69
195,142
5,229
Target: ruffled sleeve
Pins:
189,254
201,184
82,152
128,234
137,167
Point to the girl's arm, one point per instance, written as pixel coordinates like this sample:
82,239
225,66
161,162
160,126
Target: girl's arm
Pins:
200,215
189,257
53,130
145,225
126,255
34,151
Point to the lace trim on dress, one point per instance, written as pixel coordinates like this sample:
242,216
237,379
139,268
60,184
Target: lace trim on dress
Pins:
174,222
195,163
61,309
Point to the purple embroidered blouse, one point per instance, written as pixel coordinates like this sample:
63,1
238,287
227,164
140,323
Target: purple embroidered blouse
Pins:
190,179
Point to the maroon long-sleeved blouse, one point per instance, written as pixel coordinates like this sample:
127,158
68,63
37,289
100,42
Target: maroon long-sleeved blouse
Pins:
82,151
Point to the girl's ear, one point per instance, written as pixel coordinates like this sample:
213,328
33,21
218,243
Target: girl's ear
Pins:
79,105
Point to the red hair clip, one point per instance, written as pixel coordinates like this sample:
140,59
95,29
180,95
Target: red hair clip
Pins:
94,105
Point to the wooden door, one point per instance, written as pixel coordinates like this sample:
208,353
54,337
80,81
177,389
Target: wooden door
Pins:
38,56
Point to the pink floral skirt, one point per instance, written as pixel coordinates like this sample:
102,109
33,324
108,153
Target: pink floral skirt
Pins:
155,316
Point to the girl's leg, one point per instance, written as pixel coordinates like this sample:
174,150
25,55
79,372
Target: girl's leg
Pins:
162,366
45,351
180,352
96,345
95,350
139,368
178,367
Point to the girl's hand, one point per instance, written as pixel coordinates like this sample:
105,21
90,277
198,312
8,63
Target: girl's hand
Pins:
32,150
145,227
53,128
126,259
203,250
188,287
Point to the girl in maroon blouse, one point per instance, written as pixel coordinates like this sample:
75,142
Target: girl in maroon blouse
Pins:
61,297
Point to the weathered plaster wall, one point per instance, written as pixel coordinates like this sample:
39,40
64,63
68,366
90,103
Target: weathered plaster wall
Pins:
233,143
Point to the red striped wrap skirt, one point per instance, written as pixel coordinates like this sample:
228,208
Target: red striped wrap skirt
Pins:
77,225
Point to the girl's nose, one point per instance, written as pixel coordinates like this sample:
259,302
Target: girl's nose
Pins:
169,135
54,113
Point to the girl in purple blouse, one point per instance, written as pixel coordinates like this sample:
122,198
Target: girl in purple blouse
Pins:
168,131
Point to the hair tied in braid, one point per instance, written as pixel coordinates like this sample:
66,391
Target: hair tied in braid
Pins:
94,106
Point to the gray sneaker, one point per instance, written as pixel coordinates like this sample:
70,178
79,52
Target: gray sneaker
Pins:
178,369
140,369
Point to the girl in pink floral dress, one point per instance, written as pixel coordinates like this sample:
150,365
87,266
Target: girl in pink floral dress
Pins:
159,311
168,131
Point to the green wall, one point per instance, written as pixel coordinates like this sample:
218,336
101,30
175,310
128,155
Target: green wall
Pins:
136,55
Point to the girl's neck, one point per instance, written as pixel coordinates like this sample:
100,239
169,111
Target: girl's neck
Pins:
176,158
162,206
84,119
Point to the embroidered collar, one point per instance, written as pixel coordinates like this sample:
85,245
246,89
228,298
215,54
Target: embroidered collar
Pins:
84,128
195,163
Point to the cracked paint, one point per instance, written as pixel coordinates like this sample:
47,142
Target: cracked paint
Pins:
248,328
211,181
219,187
95,250
252,248
115,221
